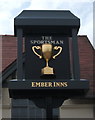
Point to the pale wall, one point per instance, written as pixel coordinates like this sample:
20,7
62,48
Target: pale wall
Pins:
76,110
6,104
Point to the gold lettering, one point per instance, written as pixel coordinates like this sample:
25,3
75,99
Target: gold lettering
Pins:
57,84
54,84
42,84
37,84
46,84
63,84
60,84
33,85
49,84
66,84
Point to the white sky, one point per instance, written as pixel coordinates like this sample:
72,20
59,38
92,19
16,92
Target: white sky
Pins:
9,9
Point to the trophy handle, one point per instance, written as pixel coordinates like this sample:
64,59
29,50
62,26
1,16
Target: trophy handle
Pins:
56,48
36,47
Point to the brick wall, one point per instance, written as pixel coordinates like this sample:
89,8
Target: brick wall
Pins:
86,55
9,50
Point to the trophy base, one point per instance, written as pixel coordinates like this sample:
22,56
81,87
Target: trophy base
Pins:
47,72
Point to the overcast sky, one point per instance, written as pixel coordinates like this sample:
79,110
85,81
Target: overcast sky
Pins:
9,9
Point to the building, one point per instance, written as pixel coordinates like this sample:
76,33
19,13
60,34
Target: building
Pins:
72,108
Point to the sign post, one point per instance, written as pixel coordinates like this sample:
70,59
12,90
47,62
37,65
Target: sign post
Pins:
48,77
49,109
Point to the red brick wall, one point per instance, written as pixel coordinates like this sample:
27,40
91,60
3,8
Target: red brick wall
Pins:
86,55
9,50
0,53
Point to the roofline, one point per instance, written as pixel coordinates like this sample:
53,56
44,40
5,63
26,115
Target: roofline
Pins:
14,36
82,35
7,35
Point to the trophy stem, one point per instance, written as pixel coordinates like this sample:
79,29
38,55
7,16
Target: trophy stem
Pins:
46,62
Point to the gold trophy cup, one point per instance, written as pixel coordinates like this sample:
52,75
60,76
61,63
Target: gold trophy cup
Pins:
47,54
